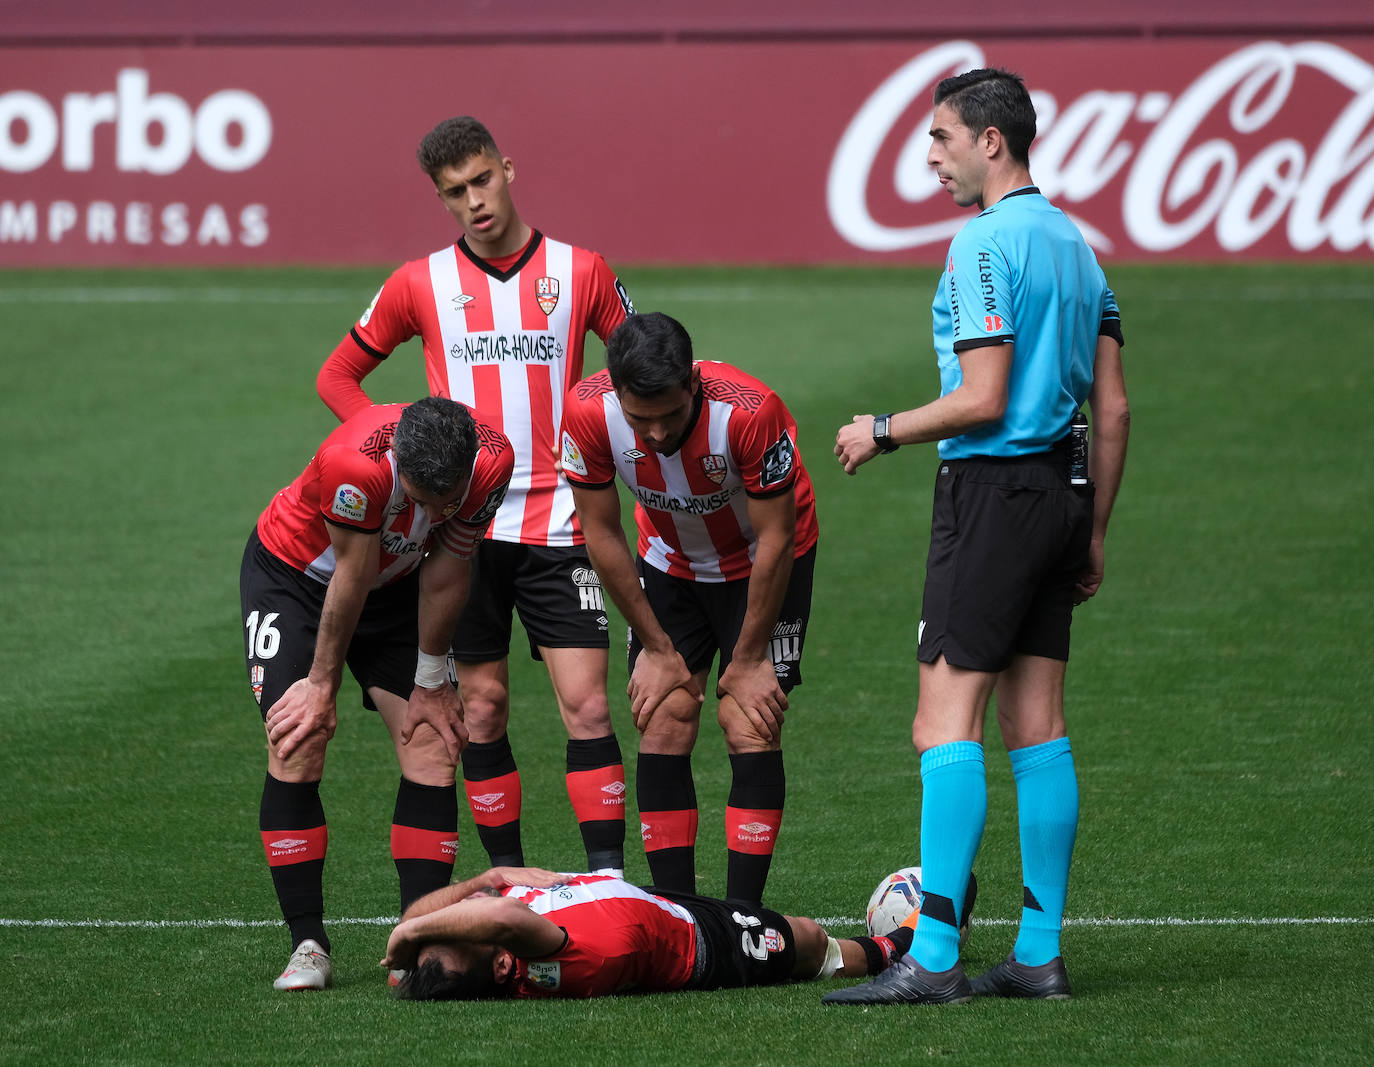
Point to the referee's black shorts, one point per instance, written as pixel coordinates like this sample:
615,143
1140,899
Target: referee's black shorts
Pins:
1008,540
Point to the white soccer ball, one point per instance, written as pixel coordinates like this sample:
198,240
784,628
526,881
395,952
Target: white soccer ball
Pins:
897,896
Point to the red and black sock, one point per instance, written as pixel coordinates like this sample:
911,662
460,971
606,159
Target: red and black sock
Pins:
753,816
493,788
668,819
295,837
596,787
424,837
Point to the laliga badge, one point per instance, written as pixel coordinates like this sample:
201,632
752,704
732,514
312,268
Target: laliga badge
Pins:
544,975
546,292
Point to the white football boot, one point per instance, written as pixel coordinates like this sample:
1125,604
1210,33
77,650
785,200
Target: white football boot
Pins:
309,968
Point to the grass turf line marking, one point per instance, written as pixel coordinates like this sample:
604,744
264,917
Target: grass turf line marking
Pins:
705,293
830,922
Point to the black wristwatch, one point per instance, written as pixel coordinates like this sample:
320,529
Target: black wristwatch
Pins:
882,436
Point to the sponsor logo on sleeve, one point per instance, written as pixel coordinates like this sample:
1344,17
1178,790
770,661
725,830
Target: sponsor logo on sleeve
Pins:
625,300
492,505
368,313
714,467
546,292
777,462
572,456
350,503
547,975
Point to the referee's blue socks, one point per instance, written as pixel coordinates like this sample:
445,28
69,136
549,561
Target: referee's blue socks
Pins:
1047,811
954,807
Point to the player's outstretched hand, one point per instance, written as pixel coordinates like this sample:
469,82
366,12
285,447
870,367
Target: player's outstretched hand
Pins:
656,674
442,709
1090,581
753,685
854,444
304,709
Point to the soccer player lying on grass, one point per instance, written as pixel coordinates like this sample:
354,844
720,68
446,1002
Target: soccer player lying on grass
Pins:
527,932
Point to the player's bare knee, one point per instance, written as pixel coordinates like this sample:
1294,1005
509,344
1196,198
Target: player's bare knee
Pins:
305,764
425,760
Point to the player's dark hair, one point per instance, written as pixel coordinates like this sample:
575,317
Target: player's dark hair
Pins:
432,981
991,96
648,354
452,142
435,443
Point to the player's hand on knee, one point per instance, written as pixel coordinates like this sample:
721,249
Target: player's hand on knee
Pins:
306,710
442,710
655,675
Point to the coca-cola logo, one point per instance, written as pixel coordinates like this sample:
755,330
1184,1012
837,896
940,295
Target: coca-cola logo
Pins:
155,133
1274,136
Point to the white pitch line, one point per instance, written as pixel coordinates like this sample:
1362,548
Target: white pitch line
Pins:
649,291
832,921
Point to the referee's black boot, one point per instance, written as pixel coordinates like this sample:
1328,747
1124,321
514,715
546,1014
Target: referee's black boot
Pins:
1048,981
907,982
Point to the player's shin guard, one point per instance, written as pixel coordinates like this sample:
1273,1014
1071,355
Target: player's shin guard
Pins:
753,817
596,787
1047,811
954,807
493,788
668,819
424,837
294,837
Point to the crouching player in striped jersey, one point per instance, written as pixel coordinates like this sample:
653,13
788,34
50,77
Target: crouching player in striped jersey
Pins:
333,574
529,933
727,546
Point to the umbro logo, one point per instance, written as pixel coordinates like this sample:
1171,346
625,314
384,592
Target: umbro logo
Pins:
461,301
488,798
615,788
289,842
644,831
633,453
756,827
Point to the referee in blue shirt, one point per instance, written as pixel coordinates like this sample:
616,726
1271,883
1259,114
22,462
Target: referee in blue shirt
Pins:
1026,331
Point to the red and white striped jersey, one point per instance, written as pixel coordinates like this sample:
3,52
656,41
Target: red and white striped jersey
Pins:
620,938
352,481
508,343
692,510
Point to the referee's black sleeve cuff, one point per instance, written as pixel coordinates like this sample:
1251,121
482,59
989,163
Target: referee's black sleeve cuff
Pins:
1112,328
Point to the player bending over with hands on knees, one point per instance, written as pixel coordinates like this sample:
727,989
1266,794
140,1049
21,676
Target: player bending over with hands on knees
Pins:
526,932
361,560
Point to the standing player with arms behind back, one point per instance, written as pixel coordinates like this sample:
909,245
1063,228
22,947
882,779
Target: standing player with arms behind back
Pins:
726,556
1026,330
502,316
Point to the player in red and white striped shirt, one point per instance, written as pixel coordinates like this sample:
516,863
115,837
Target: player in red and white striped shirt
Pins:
529,933
366,555
727,543
502,316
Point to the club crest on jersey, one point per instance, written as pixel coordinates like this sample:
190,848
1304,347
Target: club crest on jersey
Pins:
256,676
713,465
546,292
350,503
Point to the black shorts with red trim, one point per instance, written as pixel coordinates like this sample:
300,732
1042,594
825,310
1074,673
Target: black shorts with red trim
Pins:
555,591
738,944
281,618
703,619
1009,539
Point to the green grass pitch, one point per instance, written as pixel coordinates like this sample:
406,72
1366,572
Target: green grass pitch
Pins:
1220,909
